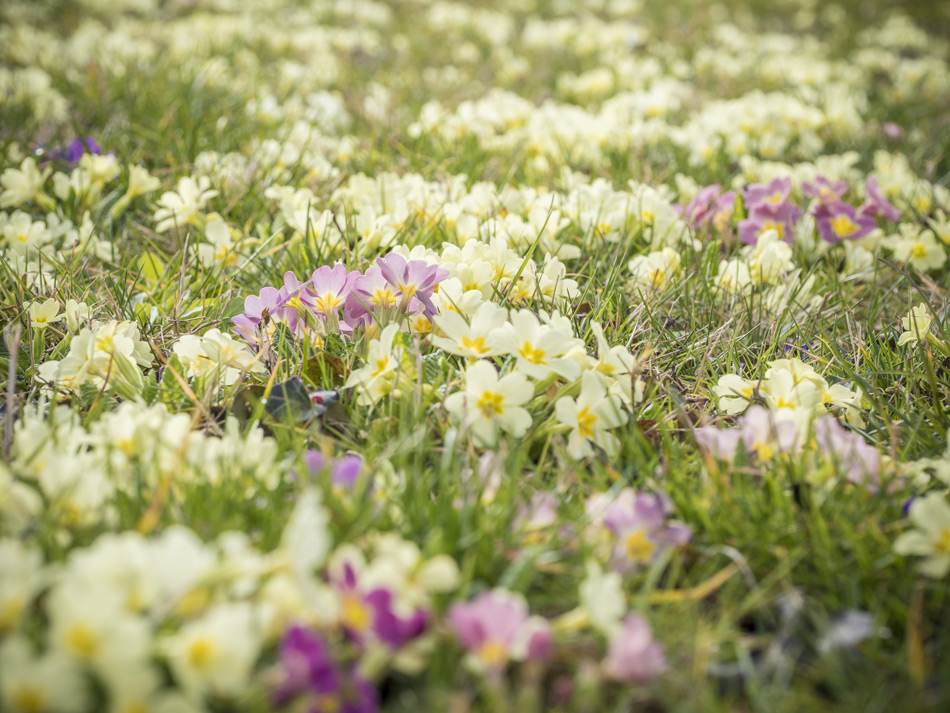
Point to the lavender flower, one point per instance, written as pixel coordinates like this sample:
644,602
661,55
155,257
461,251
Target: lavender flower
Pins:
633,655
412,279
825,191
77,147
860,461
775,192
875,204
259,311
495,627
638,522
780,217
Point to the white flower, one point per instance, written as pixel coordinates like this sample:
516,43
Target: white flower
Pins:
381,373
51,683
540,349
21,578
477,338
916,325
22,185
602,598
930,515
44,313
589,416
184,205
305,536
489,404
216,653
141,182
92,625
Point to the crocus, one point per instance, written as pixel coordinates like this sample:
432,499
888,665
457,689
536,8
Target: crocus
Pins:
77,147
495,627
839,221
633,655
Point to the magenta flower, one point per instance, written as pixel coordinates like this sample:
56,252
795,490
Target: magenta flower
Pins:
825,191
368,616
775,192
633,654
640,527
496,628
875,204
780,217
412,279
839,221
306,670
344,473
259,311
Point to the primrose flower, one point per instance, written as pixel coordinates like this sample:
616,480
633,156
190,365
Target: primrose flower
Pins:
653,271
775,192
930,515
839,221
761,432
370,294
825,191
23,185
540,349
306,668
589,417
215,654
765,216
876,204
633,654
495,628
735,393
183,206
260,311
412,279
489,404
860,461
381,373
50,682
697,211
476,339
918,248
602,598
916,325
43,314
327,292
641,532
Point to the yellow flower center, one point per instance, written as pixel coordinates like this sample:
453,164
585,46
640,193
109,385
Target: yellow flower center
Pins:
843,226
354,614
29,699
777,197
326,703
490,403
383,297
10,612
201,653
493,653
942,545
82,641
918,250
638,546
476,345
771,225
381,365
327,303
529,353
585,422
